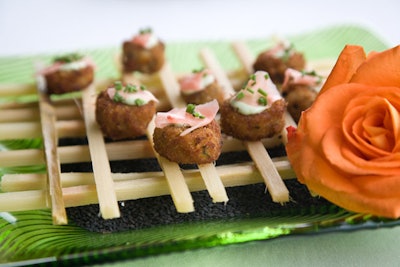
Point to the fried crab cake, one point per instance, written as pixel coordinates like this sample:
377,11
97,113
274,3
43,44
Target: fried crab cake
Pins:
255,112
124,112
189,135
200,87
68,73
143,53
300,88
276,60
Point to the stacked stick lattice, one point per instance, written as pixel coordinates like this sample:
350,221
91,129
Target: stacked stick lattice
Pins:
74,117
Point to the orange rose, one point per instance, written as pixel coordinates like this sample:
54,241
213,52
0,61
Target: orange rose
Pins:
347,144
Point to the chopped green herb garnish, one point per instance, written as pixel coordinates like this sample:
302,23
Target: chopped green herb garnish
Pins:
191,110
311,72
146,30
118,97
198,70
139,102
68,58
287,52
266,76
118,85
250,90
130,88
142,87
262,92
262,101
239,95
253,77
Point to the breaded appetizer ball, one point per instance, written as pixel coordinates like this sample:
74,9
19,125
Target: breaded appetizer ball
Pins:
255,112
300,88
124,111
276,60
143,53
68,73
200,87
189,135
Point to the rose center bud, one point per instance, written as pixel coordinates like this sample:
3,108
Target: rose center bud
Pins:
376,132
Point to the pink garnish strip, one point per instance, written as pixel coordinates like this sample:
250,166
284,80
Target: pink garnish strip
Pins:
179,116
57,65
300,78
144,95
194,81
279,49
260,82
145,40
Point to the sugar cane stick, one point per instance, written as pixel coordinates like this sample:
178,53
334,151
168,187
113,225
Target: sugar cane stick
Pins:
17,89
179,191
257,151
171,86
65,112
101,167
211,62
37,181
267,169
82,191
119,150
27,130
244,55
50,140
176,182
30,88
210,176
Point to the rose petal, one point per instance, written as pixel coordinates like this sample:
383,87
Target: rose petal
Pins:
351,57
380,69
388,185
318,143
350,161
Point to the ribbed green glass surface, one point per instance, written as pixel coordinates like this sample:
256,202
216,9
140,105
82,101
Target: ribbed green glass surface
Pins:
30,237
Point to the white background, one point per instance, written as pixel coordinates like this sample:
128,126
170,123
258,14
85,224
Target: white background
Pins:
29,27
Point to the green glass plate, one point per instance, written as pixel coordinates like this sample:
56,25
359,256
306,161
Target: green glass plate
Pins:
30,237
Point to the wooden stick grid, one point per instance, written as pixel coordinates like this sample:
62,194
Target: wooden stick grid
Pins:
85,188
256,149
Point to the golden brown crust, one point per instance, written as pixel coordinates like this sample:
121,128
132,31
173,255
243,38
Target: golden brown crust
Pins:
276,67
253,127
65,81
200,146
120,121
211,92
138,58
299,98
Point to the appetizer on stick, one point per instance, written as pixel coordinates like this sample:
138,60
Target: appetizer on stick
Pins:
189,135
300,88
256,111
68,73
200,87
276,60
143,53
124,111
